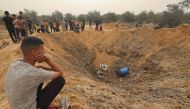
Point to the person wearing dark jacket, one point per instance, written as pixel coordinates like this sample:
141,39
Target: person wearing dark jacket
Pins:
8,20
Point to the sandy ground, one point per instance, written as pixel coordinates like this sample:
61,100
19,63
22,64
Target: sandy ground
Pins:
159,62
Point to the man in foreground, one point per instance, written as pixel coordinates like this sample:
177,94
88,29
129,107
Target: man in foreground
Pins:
24,80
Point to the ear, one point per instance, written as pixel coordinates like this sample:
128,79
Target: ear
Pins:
34,53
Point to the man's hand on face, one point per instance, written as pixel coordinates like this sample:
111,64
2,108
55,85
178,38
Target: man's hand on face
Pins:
41,58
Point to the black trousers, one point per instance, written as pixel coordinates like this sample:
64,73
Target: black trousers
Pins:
46,95
12,33
52,29
17,30
23,32
47,31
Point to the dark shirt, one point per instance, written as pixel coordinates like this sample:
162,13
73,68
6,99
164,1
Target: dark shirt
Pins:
51,24
8,21
29,23
100,22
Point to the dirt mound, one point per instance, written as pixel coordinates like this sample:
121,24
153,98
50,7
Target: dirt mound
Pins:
158,61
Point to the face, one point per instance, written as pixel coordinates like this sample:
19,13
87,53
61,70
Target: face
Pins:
38,51
14,17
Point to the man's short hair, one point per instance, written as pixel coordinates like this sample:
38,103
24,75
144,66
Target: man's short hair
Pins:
14,15
20,12
6,13
29,43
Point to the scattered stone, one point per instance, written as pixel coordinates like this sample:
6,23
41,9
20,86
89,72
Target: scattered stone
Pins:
188,96
109,50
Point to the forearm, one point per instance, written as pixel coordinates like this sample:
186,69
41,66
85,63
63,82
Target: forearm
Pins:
56,70
45,67
54,66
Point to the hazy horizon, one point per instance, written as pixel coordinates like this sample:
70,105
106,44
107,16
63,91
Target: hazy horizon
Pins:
77,7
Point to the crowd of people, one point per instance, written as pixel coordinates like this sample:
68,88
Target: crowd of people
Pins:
15,26
19,26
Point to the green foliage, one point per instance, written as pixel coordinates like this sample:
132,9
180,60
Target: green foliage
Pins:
142,17
185,3
153,17
186,18
110,17
94,15
32,15
172,17
57,15
45,17
68,16
81,17
127,17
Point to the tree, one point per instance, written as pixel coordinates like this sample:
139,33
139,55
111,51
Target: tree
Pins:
173,17
110,17
57,15
142,17
94,15
185,3
186,18
45,17
32,15
153,17
175,8
128,17
81,17
68,16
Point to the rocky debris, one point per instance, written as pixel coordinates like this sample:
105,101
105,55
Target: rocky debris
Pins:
117,51
81,53
100,75
164,92
152,66
188,96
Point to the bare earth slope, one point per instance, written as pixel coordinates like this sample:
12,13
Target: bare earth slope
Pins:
159,62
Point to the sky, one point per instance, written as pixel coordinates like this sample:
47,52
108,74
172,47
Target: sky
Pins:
76,7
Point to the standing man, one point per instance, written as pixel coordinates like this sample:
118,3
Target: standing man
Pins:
46,26
20,14
83,24
16,26
71,24
63,25
24,31
42,26
29,25
51,27
97,24
10,26
24,79
100,23
90,23
66,24
22,26
57,26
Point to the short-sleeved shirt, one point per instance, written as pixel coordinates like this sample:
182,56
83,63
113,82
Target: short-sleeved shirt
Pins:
46,25
21,83
8,22
21,23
